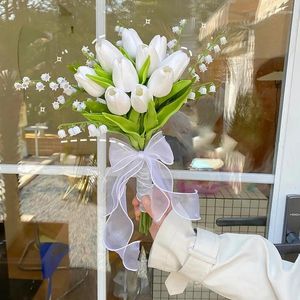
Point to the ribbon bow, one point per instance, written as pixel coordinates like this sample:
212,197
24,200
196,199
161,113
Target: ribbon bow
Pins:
126,162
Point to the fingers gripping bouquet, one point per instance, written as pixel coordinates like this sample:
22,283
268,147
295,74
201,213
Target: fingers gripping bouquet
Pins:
135,89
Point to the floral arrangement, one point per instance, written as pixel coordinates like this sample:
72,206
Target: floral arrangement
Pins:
133,89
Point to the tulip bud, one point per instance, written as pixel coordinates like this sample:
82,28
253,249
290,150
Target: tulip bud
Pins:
91,87
159,43
140,97
118,102
142,54
178,61
106,54
131,41
161,81
124,75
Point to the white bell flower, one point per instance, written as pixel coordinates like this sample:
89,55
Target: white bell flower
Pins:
40,86
217,48
18,86
178,61
223,40
202,68
203,90
161,81
46,77
131,41
118,102
159,43
208,59
91,87
212,88
93,130
124,75
61,134
106,53
53,86
61,99
55,105
140,97
143,52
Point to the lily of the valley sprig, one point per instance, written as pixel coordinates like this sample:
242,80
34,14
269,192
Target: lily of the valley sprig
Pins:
132,88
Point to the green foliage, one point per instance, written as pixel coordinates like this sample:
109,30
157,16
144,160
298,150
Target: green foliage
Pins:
95,107
101,73
125,53
73,67
143,73
102,81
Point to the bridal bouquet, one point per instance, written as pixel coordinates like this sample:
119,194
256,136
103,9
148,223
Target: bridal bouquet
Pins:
133,89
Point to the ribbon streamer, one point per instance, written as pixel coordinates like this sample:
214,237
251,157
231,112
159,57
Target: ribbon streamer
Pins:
126,162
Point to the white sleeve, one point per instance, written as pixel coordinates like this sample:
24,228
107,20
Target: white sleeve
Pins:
236,266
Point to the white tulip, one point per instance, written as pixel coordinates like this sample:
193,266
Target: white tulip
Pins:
91,87
140,97
178,61
142,54
159,43
106,54
118,102
161,81
131,41
124,75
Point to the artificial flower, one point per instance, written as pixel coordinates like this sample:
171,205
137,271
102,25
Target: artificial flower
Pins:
39,86
61,99
159,43
161,81
178,61
118,102
124,75
106,54
140,97
26,80
212,88
18,86
202,68
46,77
171,44
53,86
131,41
60,80
91,87
93,130
75,104
208,59
61,134
176,29
191,96
223,40
203,90
217,49
55,105
143,52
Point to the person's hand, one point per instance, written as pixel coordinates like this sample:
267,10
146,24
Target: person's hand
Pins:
146,202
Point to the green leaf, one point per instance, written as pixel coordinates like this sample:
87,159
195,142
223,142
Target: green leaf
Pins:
104,82
178,89
100,72
95,107
125,53
143,73
99,119
127,126
169,110
150,118
73,67
134,116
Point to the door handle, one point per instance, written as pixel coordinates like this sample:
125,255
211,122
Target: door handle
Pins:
241,221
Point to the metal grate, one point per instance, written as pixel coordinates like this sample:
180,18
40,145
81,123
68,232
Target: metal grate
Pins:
223,203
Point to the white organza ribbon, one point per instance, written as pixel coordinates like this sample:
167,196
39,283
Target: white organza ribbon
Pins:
126,162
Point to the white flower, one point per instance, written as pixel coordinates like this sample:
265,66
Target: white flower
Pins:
100,100
75,103
103,129
172,44
203,90
53,86
18,86
119,43
118,102
197,77
65,85
40,86
85,49
61,99
178,61
55,105
159,43
71,131
140,97
12,17
60,80
90,63
208,59
25,85
124,75
142,54
117,28
81,106
91,87
93,130
191,96
212,88
223,40
69,91
217,48
61,134
106,54
77,129
202,68
46,77
161,81
131,41
176,29
26,80
182,22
